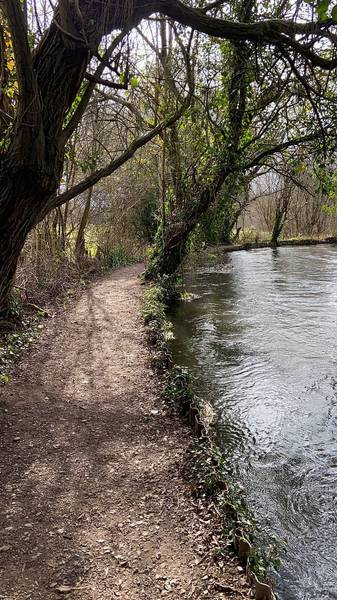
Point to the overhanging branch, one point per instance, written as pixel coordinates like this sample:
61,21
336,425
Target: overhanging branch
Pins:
280,148
273,31
94,80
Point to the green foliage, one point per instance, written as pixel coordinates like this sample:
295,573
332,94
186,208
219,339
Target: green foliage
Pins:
9,66
88,165
262,561
15,307
163,262
134,81
217,223
212,479
4,378
154,309
76,102
324,9
157,299
145,220
118,257
12,345
177,390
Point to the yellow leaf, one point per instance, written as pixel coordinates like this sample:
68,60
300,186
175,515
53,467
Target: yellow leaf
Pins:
11,64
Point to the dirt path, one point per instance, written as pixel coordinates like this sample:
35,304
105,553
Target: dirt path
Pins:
92,503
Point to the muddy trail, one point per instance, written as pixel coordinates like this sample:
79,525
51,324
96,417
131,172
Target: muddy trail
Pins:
93,503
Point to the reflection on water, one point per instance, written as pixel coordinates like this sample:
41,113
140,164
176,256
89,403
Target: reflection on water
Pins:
260,336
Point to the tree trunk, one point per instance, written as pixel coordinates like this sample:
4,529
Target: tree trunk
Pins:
168,256
22,200
80,241
227,226
13,232
277,227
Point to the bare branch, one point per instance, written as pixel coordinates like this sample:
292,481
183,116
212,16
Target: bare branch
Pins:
77,116
106,82
123,102
278,148
117,162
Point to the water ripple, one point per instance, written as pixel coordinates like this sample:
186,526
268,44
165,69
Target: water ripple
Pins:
260,334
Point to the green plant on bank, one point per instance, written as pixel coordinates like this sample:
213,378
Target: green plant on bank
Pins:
210,473
177,390
154,309
213,480
262,561
12,345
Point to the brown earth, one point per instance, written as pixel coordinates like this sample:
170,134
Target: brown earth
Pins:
93,503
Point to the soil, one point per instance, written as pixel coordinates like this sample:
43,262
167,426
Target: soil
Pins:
93,501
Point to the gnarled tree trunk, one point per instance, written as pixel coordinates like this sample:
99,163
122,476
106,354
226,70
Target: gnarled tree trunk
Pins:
21,201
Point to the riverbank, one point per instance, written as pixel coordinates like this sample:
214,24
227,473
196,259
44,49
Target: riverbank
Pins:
211,478
256,245
94,501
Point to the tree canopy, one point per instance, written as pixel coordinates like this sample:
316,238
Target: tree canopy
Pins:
237,84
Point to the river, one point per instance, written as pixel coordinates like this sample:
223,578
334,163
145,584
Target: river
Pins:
260,337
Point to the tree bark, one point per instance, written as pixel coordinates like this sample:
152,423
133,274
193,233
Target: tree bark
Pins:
80,241
168,257
20,206
277,228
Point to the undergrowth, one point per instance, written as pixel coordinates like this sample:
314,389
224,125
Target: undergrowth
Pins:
177,390
119,257
13,344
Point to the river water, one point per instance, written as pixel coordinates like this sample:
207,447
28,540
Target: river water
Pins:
260,336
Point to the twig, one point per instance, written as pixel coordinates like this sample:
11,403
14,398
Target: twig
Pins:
227,588
39,309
